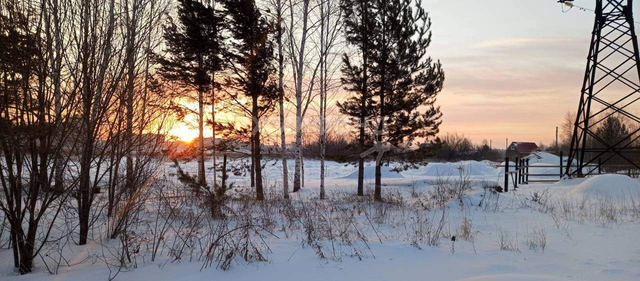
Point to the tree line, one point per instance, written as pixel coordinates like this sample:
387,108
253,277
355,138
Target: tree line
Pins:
378,49
90,90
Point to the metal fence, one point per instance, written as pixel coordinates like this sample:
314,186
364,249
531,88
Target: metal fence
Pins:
521,172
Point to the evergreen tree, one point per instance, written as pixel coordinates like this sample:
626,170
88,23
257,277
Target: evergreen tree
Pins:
612,132
253,59
404,80
195,49
359,22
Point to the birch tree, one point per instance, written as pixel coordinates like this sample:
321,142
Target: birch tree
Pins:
279,7
330,29
300,28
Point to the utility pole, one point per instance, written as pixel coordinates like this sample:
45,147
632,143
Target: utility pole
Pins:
557,145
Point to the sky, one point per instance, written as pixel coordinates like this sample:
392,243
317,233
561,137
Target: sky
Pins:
514,68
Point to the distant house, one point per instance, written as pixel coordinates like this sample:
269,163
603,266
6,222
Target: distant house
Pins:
521,149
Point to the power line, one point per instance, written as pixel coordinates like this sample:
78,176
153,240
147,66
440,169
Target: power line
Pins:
571,6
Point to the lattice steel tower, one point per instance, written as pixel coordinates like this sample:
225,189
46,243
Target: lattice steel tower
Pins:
611,87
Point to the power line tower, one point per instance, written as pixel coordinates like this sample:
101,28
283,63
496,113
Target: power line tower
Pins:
611,86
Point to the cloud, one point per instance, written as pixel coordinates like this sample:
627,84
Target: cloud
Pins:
521,42
517,87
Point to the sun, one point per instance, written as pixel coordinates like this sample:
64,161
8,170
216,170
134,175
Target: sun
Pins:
183,133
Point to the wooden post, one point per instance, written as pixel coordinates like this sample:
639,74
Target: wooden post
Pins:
523,171
515,185
506,174
527,178
599,165
557,146
561,165
519,175
517,172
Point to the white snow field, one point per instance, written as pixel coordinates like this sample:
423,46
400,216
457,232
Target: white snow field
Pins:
577,229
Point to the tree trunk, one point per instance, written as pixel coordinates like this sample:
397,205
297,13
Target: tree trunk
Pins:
298,150
213,128
378,183
365,90
131,60
253,162
224,173
14,247
297,181
283,140
257,157
57,93
381,111
84,194
323,95
25,251
202,180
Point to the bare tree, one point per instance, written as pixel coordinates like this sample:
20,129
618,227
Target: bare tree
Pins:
330,29
100,72
144,120
301,27
76,99
28,144
279,7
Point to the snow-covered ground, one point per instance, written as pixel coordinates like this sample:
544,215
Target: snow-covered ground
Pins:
578,229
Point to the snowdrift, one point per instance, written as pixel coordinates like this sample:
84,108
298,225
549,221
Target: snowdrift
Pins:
470,168
615,186
521,277
543,157
370,173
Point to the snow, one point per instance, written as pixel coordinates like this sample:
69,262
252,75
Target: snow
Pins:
466,168
613,186
543,157
510,277
576,249
370,173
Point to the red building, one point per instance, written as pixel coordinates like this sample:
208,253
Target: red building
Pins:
521,149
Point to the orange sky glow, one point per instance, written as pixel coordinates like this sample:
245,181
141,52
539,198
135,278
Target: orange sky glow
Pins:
503,80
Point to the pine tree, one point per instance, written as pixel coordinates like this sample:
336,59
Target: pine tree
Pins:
195,48
252,66
359,24
612,132
404,80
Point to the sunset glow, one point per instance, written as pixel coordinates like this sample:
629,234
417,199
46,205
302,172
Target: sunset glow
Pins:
183,133
319,140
